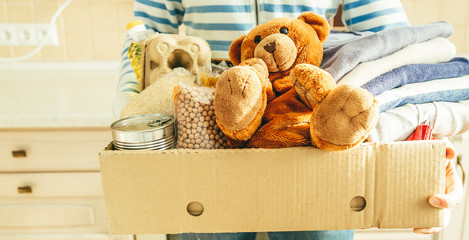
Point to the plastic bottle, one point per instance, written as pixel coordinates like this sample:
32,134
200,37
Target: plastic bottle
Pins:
138,32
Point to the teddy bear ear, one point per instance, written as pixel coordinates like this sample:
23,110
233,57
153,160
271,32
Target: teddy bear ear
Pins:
235,50
320,25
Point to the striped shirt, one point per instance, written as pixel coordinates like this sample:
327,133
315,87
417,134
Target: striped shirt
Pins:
220,22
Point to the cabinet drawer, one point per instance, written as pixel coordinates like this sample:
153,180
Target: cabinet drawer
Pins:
52,215
30,185
46,150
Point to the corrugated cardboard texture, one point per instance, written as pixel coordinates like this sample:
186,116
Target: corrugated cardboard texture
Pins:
256,190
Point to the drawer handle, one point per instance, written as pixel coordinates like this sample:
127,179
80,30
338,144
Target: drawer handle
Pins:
18,153
25,189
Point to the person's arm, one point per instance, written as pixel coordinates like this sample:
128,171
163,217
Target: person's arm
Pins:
163,16
373,15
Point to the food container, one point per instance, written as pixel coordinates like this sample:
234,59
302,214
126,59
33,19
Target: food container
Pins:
144,132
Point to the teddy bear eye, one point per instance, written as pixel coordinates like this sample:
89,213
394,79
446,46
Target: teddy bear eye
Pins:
284,30
257,39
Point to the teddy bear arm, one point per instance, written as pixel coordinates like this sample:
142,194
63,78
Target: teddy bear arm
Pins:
311,83
282,85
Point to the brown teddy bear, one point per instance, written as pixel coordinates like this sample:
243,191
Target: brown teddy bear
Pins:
277,96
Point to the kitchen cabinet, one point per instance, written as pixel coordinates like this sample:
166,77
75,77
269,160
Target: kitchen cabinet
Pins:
54,123
52,128
50,185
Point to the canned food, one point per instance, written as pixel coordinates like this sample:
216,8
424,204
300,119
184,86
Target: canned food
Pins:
144,132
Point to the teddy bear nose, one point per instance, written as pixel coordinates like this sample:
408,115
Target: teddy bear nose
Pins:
270,47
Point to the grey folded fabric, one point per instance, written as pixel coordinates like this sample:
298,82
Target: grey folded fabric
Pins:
337,38
341,59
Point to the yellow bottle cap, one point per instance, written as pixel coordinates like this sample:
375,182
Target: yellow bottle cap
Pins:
134,23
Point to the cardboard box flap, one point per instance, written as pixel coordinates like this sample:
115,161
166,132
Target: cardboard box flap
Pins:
291,189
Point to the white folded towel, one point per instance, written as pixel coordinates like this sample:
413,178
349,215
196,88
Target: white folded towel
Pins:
435,50
447,119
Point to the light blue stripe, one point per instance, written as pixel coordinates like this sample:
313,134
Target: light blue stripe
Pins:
124,74
387,26
124,53
162,6
128,72
125,65
219,8
356,4
125,58
152,4
454,95
130,90
127,83
331,10
155,19
148,27
290,8
372,15
219,26
219,45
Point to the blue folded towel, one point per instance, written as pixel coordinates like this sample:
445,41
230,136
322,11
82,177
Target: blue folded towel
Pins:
415,73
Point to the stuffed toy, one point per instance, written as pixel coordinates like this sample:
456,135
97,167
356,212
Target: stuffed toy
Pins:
277,96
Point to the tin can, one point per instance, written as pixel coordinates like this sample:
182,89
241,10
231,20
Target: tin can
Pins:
144,132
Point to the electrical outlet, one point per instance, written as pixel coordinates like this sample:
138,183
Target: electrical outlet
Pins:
27,34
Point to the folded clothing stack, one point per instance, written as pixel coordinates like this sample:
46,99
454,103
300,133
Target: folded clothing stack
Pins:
412,71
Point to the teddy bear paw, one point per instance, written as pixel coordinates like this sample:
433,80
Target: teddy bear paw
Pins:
239,101
344,118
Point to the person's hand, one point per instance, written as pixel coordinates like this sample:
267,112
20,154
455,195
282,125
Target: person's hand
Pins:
453,192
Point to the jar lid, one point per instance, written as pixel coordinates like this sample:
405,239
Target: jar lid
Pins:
143,128
134,23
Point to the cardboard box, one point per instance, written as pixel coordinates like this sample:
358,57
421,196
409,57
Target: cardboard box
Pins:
258,190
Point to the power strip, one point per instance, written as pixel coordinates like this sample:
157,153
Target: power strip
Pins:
27,34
